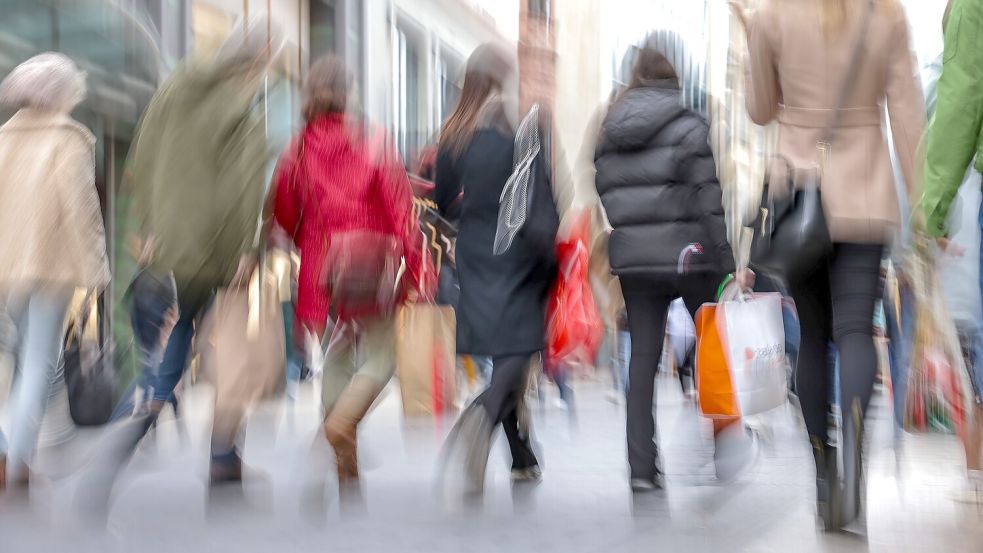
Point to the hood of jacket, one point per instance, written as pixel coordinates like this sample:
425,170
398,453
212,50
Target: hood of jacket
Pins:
639,114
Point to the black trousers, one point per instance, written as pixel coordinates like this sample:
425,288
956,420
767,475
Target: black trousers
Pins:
837,302
501,400
648,302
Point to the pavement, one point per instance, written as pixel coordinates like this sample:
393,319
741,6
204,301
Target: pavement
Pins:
161,502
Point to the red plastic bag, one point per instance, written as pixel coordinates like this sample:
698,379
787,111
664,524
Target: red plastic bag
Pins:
573,325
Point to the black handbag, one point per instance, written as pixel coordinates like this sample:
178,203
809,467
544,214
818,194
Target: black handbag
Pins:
89,377
791,236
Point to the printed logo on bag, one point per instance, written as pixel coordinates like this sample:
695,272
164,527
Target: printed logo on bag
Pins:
764,359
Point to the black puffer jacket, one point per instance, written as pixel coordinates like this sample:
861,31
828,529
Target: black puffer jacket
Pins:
658,182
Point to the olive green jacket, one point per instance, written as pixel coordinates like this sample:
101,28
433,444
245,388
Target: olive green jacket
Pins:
196,173
956,133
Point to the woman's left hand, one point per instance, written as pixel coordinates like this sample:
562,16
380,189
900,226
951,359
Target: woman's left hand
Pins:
745,279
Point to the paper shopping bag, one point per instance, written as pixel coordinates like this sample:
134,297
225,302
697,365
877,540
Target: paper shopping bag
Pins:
425,359
740,358
242,347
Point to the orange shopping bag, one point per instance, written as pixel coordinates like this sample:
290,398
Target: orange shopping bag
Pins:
740,356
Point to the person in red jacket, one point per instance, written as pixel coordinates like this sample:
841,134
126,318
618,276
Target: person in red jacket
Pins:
336,179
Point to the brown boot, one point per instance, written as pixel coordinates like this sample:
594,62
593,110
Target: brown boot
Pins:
341,425
3,472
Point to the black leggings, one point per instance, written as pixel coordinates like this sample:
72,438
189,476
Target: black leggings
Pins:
501,400
648,307
838,302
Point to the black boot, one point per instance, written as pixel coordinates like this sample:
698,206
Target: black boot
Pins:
827,486
851,503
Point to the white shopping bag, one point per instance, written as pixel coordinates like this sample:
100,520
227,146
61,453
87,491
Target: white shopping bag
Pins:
682,333
753,336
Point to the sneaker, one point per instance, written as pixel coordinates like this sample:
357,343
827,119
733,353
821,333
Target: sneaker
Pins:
971,493
616,397
528,474
225,469
642,485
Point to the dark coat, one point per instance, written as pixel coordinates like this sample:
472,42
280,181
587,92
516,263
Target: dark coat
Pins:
502,305
658,183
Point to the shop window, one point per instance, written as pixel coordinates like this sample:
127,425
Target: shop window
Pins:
407,117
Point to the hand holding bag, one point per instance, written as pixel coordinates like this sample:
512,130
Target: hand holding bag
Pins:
791,234
573,324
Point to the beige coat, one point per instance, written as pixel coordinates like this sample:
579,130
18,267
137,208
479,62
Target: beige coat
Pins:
51,228
794,76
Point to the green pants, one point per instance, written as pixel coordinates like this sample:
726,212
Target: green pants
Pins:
366,352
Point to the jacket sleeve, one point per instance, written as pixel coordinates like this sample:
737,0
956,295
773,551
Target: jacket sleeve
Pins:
905,104
698,169
398,199
286,199
80,211
761,74
447,185
955,132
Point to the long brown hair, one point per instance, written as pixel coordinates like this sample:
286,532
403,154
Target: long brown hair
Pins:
651,65
326,88
487,71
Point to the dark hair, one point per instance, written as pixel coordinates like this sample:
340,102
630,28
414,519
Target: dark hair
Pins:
651,65
326,88
488,68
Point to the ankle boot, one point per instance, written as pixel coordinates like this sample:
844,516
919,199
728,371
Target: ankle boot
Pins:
341,425
851,502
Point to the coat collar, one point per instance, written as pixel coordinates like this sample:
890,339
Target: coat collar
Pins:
32,119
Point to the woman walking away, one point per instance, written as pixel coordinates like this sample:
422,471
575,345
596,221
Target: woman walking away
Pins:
345,201
501,312
52,239
657,181
800,54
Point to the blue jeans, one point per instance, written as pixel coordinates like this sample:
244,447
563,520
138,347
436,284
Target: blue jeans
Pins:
178,346
900,332
485,366
621,363
295,360
148,311
39,315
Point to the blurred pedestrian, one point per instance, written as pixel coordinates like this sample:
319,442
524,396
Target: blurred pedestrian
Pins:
339,184
197,167
955,137
52,238
657,180
152,302
502,307
800,52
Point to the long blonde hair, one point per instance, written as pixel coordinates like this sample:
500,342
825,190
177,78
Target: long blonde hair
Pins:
832,14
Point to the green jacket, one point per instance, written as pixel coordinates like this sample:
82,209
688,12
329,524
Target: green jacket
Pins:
956,133
196,172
